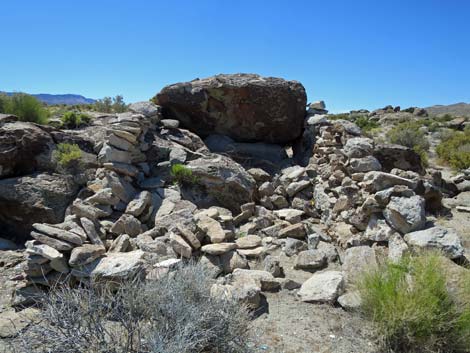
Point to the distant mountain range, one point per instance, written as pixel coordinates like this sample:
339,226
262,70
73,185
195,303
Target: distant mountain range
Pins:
457,109
69,99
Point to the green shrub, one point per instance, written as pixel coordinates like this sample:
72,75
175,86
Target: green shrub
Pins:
175,313
25,107
366,124
410,135
182,174
412,308
72,120
110,105
455,148
67,155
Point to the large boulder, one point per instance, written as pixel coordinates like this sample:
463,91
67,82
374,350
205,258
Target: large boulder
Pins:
225,180
24,148
39,198
246,107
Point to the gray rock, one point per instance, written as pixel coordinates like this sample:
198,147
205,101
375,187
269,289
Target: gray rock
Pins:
139,203
294,231
405,214
146,108
310,260
211,228
357,260
91,232
86,254
39,198
444,239
127,224
358,147
219,248
378,230
375,181
397,247
350,300
120,244
52,242
294,246
180,246
58,233
104,197
364,164
225,180
322,287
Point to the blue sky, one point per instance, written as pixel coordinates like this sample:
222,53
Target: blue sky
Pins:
353,54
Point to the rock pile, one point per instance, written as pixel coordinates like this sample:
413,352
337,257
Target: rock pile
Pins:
334,208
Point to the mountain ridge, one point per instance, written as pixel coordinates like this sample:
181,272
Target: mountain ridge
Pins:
67,98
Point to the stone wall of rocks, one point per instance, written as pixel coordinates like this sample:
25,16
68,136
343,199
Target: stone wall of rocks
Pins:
333,210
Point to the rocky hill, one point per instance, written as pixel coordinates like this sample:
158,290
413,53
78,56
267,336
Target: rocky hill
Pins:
235,172
458,109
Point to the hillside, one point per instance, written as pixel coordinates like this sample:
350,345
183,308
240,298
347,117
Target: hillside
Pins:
69,99
459,109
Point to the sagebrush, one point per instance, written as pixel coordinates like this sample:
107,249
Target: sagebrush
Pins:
455,148
182,174
72,120
176,313
67,155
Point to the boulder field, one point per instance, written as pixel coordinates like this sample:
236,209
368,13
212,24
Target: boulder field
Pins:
272,195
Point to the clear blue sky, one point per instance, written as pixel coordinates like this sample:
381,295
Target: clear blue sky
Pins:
353,54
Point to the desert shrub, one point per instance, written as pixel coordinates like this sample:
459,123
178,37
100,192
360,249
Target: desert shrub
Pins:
412,308
176,313
410,135
25,107
366,124
455,148
182,174
110,105
67,155
72,120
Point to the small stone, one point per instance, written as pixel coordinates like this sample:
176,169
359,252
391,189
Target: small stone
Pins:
54,243
249,241
252,253
58,233
294,246
139,203
85,254
180,246
310,260
120,244
127,224
294,231
219,248
322,287
350,300
211,228
91,232
406,214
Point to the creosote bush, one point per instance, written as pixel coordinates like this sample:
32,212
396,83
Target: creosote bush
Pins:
412,307
366,124
455,148
72,120
24,106
182,174
67,155
175,313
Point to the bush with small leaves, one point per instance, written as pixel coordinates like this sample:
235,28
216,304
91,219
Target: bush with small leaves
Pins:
67,155
410,135
176,313
72,120
366,124
455,148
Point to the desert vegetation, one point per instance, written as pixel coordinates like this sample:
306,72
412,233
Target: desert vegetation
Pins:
176,313
24,106
110,105
67,155
454,148
411,135
72,120
412,308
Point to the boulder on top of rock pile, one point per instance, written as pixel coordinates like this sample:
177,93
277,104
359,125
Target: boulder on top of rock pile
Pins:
245,107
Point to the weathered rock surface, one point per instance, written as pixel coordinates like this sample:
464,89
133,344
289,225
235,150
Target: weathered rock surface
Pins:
225,180
444,239
39,198
405,214
322,287
245,107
